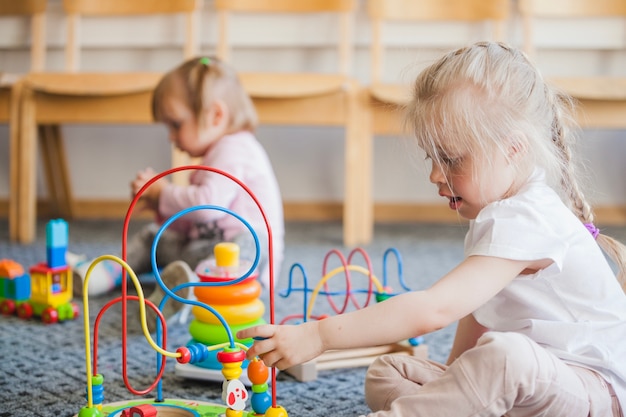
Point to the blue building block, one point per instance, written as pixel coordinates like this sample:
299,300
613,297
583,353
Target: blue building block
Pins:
56,243
18,288
56,257
57,233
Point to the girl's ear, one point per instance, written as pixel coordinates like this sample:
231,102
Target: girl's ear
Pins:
517,147
217,114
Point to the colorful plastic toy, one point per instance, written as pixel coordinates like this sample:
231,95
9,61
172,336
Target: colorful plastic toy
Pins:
47,291
143,410
230,353
238,304
375,291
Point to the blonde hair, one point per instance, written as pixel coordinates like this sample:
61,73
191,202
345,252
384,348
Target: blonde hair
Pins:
202,81
482,98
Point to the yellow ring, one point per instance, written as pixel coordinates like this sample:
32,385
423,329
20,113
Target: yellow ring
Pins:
233,314
228,294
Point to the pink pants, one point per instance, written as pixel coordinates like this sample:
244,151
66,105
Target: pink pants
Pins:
505,374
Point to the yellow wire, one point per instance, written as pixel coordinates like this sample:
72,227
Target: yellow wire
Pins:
142,317
222,345
334,272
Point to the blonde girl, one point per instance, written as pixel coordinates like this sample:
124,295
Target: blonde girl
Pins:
541,315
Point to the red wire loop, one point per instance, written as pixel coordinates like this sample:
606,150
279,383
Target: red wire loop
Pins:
125,296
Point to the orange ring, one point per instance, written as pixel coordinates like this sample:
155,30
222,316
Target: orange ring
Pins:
233,314
211,334
228,294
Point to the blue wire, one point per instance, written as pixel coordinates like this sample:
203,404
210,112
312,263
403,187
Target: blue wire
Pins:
399,262
171,293
305,289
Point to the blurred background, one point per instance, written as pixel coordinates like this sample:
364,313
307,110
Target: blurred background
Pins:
309,161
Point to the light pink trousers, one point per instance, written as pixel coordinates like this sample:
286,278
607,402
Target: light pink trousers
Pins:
505,374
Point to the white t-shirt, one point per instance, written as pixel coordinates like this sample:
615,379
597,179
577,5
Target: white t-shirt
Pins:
574,308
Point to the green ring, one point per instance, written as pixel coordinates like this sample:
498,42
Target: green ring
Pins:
213,334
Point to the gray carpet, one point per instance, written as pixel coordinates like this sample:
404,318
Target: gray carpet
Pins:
42,366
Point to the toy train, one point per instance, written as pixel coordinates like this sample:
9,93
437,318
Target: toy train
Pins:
46,291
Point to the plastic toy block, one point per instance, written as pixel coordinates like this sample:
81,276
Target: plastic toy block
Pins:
56,243
56,257
144,410
18,288
14,282
10,269
57,233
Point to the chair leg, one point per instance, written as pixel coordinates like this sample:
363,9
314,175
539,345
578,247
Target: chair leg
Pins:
365,138
358,206
179,158
24,182
57,173
14,143
25,178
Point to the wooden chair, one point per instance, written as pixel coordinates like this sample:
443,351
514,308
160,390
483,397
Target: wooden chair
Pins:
313,99
602,99
35,10
386,99
53,99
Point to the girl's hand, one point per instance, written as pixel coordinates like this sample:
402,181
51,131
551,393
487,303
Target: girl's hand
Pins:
150,196
284,346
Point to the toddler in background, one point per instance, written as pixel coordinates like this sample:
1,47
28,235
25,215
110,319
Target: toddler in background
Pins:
209,116
541,315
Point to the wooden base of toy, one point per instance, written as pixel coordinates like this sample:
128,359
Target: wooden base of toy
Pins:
352,358
167,408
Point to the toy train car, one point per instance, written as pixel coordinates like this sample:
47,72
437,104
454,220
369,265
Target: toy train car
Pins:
46,292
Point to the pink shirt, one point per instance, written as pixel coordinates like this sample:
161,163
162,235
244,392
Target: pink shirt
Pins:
242,156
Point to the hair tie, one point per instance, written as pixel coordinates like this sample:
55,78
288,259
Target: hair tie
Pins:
593,230
205,61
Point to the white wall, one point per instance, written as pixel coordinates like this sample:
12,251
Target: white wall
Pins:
308,161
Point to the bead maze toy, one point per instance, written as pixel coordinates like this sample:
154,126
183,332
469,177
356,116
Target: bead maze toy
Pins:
347,358
229,353
46,291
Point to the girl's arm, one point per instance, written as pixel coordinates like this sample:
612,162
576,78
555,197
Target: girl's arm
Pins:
457,294
467,333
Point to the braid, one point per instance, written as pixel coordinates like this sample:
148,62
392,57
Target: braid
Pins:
579,204
581,208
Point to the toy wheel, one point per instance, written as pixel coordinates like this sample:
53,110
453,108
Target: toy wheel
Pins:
50,315
7,307
25,311
75,310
